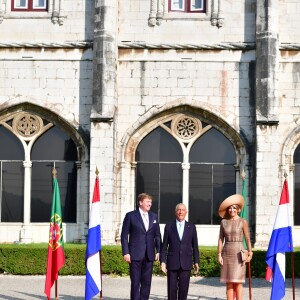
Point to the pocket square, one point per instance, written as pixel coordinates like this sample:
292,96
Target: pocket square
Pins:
154,221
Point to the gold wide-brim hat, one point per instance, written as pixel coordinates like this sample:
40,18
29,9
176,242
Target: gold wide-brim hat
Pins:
236,199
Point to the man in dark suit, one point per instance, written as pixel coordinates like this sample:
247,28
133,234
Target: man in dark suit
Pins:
179,252
140,238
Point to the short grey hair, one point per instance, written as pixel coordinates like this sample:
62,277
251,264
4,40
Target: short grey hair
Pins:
179,204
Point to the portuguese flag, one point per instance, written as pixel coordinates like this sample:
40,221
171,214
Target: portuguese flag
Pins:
56,255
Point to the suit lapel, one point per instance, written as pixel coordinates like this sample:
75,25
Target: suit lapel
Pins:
186,229
151,220
175,230
139,217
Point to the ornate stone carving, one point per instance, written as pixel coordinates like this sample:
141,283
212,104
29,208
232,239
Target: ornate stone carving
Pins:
156,12
217,18
27,125
185,127
57,15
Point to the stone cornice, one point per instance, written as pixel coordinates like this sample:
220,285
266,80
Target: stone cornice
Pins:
220,46
144,45
62,45
289,46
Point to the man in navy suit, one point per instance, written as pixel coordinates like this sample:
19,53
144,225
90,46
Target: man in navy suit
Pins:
140,238
179,253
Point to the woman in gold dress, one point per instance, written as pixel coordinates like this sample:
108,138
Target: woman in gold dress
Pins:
230,243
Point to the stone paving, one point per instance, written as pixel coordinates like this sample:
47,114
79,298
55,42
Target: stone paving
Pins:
72,288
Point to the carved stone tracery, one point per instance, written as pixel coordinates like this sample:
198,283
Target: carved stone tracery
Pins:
186,127
27,125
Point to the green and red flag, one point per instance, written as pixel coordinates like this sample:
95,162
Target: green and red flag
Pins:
56,255
244,212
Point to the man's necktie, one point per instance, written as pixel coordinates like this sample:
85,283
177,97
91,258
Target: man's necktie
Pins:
146,221
180,230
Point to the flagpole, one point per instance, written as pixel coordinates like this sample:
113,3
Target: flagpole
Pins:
244,214
250,281
100,252
293,274
93,281
56,296
54,174
292,256
56,255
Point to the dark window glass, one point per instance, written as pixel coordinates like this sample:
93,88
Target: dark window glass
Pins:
200,200
164,182
209,186
297,186
224,185
213,147
54,144
212,182
41,195
297,155
11,147
11,177
170,190
159,145
12,190
147,181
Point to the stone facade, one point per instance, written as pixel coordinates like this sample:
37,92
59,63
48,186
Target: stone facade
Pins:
110,71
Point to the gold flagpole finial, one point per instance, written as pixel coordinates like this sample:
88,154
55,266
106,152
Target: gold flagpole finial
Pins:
243,175
285,174
54,172
97,171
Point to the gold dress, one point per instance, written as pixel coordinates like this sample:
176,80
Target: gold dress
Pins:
233,269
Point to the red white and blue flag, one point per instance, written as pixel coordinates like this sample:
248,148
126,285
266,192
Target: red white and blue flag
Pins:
93,267
281,241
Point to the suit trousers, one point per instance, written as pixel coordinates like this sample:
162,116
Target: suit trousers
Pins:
178,284
141,277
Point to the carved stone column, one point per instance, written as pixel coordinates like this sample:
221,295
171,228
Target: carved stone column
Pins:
105,60
26,232
267,53
267,146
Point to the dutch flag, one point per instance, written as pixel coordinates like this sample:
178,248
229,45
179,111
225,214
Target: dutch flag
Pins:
281,241
93,268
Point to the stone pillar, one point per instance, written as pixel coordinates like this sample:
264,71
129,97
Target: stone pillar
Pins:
26,232
267,58
102,145
267,148
105,59
185,190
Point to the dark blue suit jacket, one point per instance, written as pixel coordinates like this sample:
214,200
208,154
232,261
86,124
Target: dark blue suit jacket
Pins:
138,242
180,254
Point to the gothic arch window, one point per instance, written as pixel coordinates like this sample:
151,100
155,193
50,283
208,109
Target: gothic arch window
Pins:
29,147
297,186
186,156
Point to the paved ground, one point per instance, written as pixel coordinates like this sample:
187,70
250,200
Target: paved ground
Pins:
72,288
